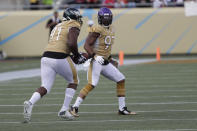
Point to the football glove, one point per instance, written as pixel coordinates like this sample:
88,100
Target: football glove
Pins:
99,59
79,59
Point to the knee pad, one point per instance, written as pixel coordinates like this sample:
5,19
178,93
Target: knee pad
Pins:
86,89
121,88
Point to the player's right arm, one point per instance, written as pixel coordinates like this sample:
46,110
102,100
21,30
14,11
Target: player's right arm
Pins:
90,41
72,40
72,44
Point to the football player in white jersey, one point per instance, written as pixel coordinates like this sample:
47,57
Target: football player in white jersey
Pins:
56,60
98,45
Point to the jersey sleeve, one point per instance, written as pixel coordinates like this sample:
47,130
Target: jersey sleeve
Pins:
95,28
74,24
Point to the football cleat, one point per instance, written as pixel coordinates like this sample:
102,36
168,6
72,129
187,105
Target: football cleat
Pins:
66,115
27,111
74,111
126,112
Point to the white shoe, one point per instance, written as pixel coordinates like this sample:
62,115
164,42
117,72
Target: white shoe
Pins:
66,115
27,111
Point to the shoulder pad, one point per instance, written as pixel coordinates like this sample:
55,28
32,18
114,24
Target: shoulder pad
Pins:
96,28
73,23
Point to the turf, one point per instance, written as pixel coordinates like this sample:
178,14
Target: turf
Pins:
21,64
163,95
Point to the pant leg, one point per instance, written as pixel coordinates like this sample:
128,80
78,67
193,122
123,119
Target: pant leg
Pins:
93,73
66,68
48,73
112,73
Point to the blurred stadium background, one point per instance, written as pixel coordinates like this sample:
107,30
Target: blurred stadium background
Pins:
162,92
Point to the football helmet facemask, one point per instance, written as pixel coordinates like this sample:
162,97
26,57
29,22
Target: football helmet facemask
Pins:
105,17
72,13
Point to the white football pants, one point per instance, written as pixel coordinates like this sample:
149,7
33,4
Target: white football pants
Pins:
109,71
64,67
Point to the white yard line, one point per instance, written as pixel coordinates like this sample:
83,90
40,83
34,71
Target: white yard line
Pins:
106,92
63,85
158,130
108,97
104,112
97,121
36,72
19,74
113,104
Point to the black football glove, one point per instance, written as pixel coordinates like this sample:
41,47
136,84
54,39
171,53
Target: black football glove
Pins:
79,59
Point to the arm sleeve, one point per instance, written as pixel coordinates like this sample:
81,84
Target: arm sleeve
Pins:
75,25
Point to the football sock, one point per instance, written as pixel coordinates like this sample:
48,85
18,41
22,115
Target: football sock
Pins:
70,92
78,102
120,89
121,102
35,97
86,89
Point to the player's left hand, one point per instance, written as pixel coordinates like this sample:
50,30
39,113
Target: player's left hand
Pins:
99,59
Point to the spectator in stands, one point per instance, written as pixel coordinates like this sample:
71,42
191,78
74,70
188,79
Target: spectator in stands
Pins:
47,3
93,3
140,3
158,3
53,22
69,2
109,3
80,1
131,3
120,3
179,2
34,4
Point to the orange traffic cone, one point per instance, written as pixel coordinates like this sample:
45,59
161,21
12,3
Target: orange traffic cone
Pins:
121,58
158,57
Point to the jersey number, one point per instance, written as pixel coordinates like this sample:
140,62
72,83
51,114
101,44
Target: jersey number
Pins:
108,40
59,29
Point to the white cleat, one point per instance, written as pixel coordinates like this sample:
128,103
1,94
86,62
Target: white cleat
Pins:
27,111
66,115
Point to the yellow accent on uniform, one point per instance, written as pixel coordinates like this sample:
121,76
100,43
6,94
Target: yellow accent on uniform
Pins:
33,1
121,88
105,41
86,89
90,73
74,72
58,37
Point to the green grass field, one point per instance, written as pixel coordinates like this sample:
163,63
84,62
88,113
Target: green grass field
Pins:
163,94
